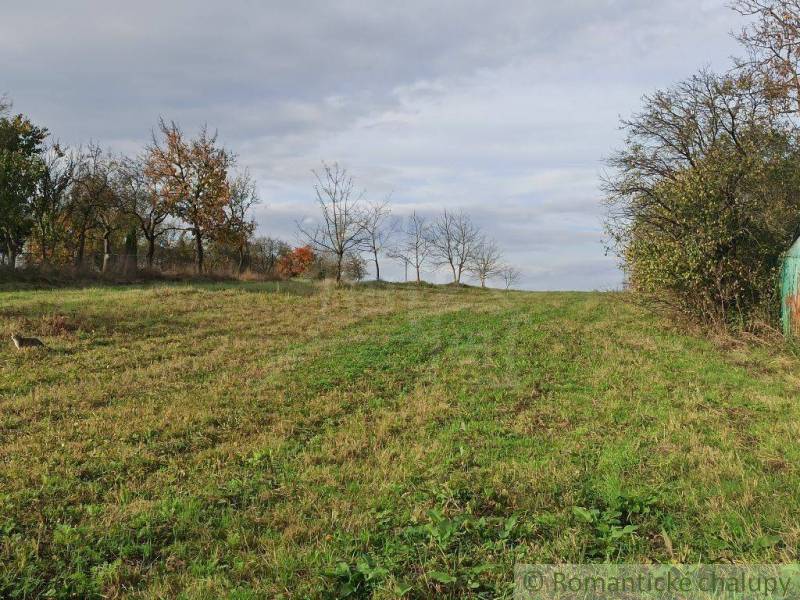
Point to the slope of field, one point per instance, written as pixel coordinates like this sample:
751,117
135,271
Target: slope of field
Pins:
274,440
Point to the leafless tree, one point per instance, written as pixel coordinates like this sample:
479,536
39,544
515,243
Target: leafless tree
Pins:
377,230
141,202
453,238
265,252
50,201
92,202
510,275
485,260
342,229
239,224
110,217
772,39
415,247
355,267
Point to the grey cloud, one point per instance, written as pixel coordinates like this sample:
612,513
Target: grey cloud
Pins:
504,109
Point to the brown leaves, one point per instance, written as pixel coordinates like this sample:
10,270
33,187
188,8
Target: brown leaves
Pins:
191,176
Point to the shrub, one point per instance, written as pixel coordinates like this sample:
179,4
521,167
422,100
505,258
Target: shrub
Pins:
703,203
296,262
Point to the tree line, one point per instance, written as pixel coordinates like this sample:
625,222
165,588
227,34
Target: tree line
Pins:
351,225
704,197
186,199
87,207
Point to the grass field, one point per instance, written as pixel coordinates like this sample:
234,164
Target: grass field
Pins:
293,441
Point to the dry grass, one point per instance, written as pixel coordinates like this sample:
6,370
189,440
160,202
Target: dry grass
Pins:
269,439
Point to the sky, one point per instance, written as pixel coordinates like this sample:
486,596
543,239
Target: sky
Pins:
506,110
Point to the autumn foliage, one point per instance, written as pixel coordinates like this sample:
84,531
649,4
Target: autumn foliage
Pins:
191,178
296,262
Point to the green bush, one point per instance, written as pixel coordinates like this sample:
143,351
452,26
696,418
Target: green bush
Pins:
704,200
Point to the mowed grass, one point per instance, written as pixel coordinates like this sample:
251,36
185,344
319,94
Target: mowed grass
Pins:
302,441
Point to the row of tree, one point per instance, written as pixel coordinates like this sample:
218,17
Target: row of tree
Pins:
705,196
351,225
185,199
57,203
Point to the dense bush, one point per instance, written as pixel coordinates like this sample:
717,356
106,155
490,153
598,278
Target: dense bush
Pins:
296,262
704,199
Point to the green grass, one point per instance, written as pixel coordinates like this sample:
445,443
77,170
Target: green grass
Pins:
292,440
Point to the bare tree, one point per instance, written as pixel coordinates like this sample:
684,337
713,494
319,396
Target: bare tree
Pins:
342,229
140,201
415,247
50,200
403,259
453,238
239,225
355,267
485,260
510,275
108,202
92,201
377,231
772,39
265,252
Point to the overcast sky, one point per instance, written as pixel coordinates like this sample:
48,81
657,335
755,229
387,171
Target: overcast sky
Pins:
504,109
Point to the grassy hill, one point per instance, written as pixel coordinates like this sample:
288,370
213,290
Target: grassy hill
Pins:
275,440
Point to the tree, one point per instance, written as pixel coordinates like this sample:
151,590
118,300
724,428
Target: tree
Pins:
510,275
51,199
21,167
376,230
355,268
703,200
239,226
342,229
485,260
415,247
140,201
296,262
453,238
191,176
265,254
95,202
772,39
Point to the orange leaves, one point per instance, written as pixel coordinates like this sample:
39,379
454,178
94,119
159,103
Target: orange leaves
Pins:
296,262
191,176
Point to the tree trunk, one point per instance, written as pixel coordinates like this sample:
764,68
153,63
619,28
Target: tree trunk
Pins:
81,249
131,253
418,279
377,267
241,252
106,251
339,269
456,278
199,242
483,282
43,246
151,251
